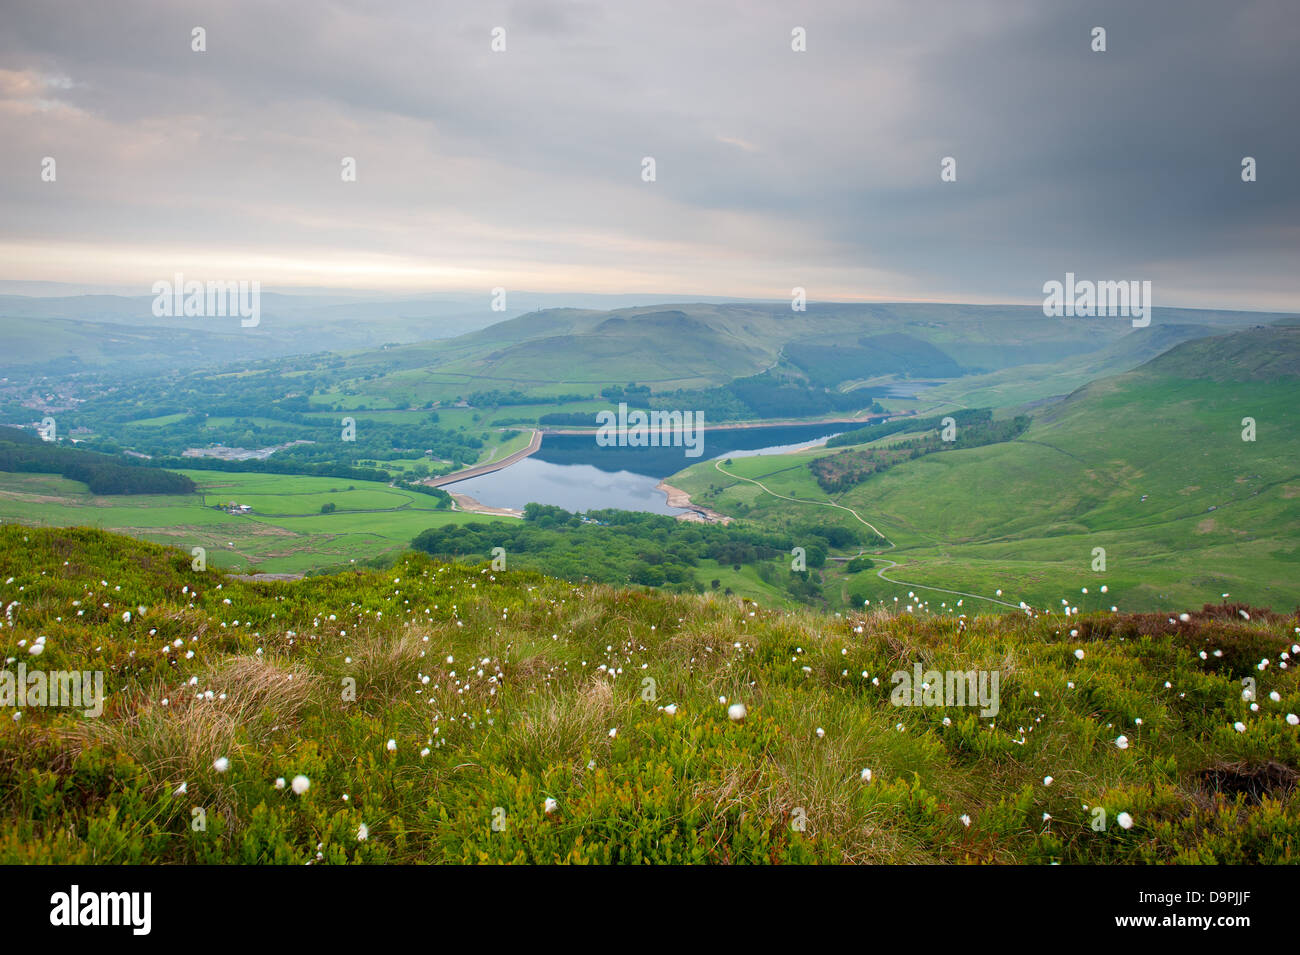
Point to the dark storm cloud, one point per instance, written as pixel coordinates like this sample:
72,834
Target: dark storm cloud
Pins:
775,168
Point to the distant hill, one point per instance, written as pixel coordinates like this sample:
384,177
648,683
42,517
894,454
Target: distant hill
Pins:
705,344
696,344
662,346
61,334
874,355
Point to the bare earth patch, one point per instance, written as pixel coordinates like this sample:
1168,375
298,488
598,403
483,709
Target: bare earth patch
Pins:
679,498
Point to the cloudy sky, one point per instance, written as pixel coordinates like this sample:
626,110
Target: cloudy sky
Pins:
774,168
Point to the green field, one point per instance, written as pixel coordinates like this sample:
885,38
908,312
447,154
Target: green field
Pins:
286,533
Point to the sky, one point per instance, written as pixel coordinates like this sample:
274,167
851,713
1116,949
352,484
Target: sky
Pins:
774,168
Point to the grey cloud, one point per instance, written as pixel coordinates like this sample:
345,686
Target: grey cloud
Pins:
780,163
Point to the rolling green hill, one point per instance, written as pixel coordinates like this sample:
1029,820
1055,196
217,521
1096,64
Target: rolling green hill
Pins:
667,348
1150,465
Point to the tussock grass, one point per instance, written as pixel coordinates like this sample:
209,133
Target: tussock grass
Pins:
183,738
541,671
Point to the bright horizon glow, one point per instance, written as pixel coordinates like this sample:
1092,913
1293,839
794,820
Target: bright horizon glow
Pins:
134,271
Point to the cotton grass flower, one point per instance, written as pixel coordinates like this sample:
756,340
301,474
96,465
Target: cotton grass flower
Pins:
1125,820
550,806
1121,741
300,784
391,746
221,764
737,712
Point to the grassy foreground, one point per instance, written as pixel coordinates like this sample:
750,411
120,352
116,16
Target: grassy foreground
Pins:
480,696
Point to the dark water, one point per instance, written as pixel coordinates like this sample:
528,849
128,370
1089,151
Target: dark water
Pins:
573,472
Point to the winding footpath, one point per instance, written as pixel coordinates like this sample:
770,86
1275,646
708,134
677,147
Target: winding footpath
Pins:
861,520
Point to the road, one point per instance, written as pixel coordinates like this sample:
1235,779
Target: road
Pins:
861,520
860,421
480,469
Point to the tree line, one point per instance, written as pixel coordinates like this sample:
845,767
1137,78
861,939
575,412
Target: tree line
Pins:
102,473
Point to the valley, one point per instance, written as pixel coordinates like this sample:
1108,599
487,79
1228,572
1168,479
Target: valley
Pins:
1096,436
557,433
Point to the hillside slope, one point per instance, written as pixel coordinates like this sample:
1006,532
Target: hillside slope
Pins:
663,347
1150,465
1028,383
440,713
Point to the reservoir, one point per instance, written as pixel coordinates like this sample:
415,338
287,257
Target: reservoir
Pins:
573,472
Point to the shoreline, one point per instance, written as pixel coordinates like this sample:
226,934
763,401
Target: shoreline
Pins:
463,502
676,497
695,512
